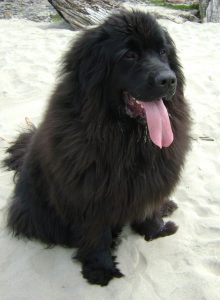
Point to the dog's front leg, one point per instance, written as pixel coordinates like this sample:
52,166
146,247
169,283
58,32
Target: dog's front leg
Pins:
98,265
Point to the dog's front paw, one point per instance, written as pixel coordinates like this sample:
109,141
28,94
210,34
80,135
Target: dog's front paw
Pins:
96,274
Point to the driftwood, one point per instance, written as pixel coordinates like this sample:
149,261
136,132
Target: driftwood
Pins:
82,13
210,10
203,4
213,11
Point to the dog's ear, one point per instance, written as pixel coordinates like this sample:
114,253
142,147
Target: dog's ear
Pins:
170,45
87,65
94,67
173,59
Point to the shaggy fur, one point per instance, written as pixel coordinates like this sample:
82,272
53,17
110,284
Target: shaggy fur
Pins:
90,168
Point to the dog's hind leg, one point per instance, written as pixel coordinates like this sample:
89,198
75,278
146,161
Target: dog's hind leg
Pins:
155,227
30,215
168,208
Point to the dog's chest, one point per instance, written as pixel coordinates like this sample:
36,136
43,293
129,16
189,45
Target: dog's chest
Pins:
146,173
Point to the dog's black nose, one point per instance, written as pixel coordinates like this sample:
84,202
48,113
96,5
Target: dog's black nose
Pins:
165,80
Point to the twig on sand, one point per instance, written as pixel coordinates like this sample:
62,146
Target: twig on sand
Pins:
29,123
203,138
206,138
5,140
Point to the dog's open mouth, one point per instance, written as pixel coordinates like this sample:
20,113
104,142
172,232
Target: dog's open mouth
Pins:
156,116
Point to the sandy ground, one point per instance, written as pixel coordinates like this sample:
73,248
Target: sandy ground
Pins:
184,266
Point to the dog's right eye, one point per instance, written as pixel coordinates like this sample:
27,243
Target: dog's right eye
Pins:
131,55
163,52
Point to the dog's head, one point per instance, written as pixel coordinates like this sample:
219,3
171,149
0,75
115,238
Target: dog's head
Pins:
130,64
141,50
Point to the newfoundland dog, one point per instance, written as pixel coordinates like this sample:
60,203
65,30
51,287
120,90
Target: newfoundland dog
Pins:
110,148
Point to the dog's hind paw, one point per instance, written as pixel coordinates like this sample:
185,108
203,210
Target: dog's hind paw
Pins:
167,229
168,208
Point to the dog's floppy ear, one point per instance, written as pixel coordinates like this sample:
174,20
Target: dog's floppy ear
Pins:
85,68
87,65
174,61
94,66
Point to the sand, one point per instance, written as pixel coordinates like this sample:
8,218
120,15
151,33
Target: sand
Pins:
184,266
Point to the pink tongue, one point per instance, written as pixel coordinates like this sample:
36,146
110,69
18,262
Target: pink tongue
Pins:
158,123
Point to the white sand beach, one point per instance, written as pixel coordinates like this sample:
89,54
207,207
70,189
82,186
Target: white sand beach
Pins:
184,266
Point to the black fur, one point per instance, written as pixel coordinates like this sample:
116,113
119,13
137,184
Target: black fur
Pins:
90,168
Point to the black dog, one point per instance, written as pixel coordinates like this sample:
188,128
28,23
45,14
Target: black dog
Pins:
110,148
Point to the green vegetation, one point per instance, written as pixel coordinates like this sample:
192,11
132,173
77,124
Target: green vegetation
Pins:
175,6
55,18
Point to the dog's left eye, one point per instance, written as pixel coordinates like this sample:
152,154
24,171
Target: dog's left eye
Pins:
163,51
131,55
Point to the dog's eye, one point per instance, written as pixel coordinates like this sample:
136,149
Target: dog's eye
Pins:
163,51
131,55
